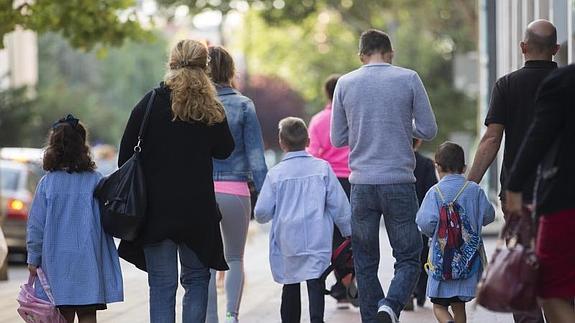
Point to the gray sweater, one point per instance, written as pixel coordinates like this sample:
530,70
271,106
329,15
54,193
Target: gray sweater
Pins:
377,110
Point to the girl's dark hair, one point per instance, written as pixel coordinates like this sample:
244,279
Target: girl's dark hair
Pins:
222,68
450,158
329,85
67,149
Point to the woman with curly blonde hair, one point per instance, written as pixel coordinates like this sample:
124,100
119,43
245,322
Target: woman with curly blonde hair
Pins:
187,127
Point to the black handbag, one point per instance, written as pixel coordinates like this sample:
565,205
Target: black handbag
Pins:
122,194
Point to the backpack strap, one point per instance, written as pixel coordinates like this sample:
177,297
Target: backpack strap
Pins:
461,191
440,194
442,197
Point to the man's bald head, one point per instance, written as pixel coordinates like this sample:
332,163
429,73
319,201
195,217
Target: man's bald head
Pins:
540,38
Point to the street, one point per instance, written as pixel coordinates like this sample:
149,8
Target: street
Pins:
261,299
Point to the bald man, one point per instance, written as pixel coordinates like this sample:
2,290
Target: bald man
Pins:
511,112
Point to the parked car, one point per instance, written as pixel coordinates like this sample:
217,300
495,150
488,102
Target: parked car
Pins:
19,176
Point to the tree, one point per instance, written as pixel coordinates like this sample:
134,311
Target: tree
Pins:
303,41
16,111
274,100
84,23
99,91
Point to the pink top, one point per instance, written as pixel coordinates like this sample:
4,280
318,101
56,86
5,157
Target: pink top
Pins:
234,188
320,145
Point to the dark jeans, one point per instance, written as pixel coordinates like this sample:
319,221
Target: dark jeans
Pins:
421,287
398,205
291,302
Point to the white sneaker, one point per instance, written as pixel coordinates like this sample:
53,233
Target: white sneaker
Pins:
231,318
386,315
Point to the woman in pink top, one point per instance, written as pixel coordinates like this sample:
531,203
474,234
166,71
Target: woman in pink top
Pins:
319,143
320,147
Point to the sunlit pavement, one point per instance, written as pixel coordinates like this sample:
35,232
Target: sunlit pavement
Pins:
261,300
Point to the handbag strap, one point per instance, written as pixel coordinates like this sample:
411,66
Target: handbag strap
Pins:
138,147
44,283
518,230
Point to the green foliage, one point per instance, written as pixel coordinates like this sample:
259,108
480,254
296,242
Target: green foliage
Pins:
294,53
84,23
16,110
100,92
303,41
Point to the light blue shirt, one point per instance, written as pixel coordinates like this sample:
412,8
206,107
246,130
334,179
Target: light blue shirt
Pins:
65,237
303,199
480,213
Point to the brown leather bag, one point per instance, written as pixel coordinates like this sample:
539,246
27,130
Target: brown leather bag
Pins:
510,282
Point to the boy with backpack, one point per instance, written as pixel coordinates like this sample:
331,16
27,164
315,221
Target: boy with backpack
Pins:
303,198
453,213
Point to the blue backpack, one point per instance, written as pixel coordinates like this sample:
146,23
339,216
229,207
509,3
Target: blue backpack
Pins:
457,247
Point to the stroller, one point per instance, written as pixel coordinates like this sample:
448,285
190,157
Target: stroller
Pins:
342,266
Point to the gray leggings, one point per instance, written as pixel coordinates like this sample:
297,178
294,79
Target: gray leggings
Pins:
235,220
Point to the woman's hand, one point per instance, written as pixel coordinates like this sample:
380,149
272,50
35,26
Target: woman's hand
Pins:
513,203
33,270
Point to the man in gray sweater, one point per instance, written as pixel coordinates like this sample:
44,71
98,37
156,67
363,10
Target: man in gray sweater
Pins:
377,110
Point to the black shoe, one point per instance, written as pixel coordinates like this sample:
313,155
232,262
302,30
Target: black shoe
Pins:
385,315
421,301
338,291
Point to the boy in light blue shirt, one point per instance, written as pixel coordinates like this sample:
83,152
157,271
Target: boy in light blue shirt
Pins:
303,198
453,212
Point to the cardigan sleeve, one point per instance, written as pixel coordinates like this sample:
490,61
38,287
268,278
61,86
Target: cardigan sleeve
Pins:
424,124
339,131
223,144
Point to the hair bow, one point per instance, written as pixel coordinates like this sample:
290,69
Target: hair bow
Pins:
69,119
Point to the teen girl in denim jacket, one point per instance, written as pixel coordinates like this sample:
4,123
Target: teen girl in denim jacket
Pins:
231,178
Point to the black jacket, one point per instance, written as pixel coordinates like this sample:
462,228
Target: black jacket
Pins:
177,161
554,120
425,176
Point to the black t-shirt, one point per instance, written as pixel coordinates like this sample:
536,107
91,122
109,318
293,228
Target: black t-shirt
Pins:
512,104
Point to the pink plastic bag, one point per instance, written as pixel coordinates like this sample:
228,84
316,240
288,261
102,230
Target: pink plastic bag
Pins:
36,310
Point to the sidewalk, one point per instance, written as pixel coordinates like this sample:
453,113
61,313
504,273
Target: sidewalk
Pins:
261,299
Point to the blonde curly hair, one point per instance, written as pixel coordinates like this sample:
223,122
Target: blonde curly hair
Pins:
193,95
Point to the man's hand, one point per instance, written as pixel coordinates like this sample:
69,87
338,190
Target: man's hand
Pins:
513,202
33,270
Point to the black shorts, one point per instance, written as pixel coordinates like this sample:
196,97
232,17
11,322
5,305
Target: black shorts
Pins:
89,307
446,301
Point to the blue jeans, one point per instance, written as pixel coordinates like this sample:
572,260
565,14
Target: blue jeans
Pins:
398,205
162,265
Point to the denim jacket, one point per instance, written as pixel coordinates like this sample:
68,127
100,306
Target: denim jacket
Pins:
247,160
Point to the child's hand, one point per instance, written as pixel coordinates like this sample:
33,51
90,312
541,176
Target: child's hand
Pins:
32,269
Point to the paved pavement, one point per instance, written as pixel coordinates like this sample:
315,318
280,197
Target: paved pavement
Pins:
261,300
